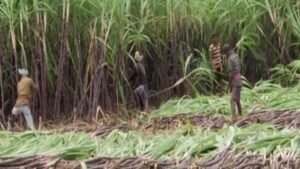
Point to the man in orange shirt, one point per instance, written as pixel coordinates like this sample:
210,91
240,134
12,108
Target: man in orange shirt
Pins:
25,88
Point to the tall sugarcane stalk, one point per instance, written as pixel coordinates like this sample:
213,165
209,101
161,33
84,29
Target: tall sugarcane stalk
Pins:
62,57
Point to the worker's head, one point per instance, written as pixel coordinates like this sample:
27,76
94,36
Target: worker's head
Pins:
23,72
226,49
138,57
214,38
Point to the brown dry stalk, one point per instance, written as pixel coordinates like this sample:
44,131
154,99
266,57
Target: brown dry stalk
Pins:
62,57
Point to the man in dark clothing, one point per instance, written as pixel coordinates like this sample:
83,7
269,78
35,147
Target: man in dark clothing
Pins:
141,83
216,62
235,81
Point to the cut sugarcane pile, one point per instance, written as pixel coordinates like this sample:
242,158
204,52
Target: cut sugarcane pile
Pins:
255,146
225,160
280,118
222,160
106,130
204,120
38,162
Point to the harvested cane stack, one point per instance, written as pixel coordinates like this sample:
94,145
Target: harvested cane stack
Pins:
223,160
251,161
37,162
106,130
135,163
281,119
204,120
114,163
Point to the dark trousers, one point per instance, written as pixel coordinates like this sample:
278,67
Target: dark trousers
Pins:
141,96
217,87
235,100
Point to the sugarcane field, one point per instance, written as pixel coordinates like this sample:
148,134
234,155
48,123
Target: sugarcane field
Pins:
149,84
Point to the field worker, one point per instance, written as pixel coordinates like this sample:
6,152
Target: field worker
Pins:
234,81
141,83
215,57
25,88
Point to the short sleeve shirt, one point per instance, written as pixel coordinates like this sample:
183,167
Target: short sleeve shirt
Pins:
234,67
215,56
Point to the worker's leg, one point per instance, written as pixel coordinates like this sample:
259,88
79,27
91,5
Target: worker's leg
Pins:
28,117
141,105
146,106
218,79
15,112
144,99
137,98
233,114
238,102
137,94
215,83
233,102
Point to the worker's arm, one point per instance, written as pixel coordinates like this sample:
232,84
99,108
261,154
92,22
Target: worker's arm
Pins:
210,54
212,60
133,75
35,86
141,70
229,82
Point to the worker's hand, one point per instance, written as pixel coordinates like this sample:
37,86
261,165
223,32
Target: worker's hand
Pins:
214,68
223,56
36,87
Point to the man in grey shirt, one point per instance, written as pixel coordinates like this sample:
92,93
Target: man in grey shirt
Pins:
235,81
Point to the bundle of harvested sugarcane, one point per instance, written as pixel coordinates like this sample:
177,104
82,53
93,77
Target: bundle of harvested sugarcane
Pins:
136,163
250,161
172,164
106,130
225,159
114,163
79,126
38,162
209,122
170,122
217,161
204,120
280,118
